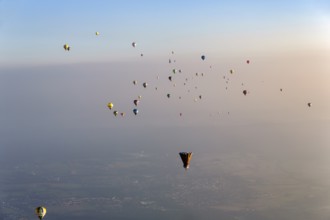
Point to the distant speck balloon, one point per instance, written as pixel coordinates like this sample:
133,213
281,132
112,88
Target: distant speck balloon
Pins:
66,47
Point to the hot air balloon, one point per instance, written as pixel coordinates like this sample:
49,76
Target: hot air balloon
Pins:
136,102
231,71
203,57
135,111
170,78
244,92
248,61
133,44
97,33
145,85
115,113
122,114
185,157
174,71
139,97
66,47
110,105
168,95
309,104
40,212
134,82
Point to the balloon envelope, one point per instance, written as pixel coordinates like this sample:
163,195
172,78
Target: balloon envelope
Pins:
40,212
110,105
66,47
185,157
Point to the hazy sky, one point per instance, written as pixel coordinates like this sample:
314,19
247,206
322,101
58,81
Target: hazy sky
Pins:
287,42
33,32
259,156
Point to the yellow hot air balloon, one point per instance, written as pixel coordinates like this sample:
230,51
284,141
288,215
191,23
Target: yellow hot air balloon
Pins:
66,47
97,33
110,105
40,212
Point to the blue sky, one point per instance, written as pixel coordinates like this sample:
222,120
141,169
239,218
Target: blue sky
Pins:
33,32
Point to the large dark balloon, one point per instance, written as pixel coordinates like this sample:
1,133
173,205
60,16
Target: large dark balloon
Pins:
185,157
203,57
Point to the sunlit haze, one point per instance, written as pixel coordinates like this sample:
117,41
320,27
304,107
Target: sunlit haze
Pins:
243,85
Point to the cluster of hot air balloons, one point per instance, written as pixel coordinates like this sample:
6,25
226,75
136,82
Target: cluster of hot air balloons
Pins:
171,79
185,156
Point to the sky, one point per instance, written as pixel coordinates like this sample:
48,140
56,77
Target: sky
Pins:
33,32
263,155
